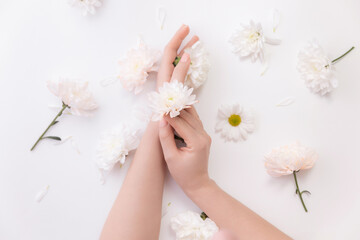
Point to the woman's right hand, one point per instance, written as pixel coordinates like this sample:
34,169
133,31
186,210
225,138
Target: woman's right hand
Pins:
188,165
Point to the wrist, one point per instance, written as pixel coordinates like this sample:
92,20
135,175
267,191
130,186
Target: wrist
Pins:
200,188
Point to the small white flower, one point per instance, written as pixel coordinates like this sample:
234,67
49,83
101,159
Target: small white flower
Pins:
199,67
249,41
189,225
171,99
316,69
234,122
87,6
288,159
115,145
75,94
135,66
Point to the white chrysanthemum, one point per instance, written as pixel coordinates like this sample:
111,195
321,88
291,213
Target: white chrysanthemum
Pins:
115,145
234,122
199,67
87,6
287,159
135,66
75,94
316,70
171,99
190,226
249,41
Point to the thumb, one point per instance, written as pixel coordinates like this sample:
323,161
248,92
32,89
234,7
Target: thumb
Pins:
167,139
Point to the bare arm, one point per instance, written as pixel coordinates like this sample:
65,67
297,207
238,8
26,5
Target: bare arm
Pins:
139,200
136,213
189,167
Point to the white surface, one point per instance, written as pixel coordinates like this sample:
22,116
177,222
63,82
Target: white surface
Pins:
40,39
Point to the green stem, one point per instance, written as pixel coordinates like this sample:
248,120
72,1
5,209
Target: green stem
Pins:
52,123
299,192
336,59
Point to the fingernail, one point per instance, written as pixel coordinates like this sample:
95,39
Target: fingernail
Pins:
185,57
163,123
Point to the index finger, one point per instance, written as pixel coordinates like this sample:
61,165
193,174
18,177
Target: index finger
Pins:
182,128
170,53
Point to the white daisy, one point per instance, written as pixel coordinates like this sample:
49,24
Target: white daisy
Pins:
234,122
249,41
87,6
171,99
199,66
115,145
74,94
135,66
189,225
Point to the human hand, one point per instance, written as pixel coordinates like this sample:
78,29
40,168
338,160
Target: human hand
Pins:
167,71
188,165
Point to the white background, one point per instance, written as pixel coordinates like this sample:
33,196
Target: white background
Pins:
40,39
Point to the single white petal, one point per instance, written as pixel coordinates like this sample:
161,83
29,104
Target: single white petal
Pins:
42,193
272,41
286,102
161,16
276,19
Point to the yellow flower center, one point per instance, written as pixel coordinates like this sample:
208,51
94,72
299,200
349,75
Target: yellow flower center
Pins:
234,120
254,36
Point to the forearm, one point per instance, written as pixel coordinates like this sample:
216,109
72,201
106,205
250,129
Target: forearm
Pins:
136,213
230,214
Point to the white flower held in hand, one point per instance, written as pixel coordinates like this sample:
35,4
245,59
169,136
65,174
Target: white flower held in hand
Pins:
87,6
290,159
74,95
115,145
249,41
199,66
135,66
234,122
171,99
189,225
316,69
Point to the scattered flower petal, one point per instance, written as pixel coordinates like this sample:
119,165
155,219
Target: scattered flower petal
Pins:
272,41
276,19
161,16
42,193
265,68
171,99
72,141
108,81
165,209
234,122
189,225
286,102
